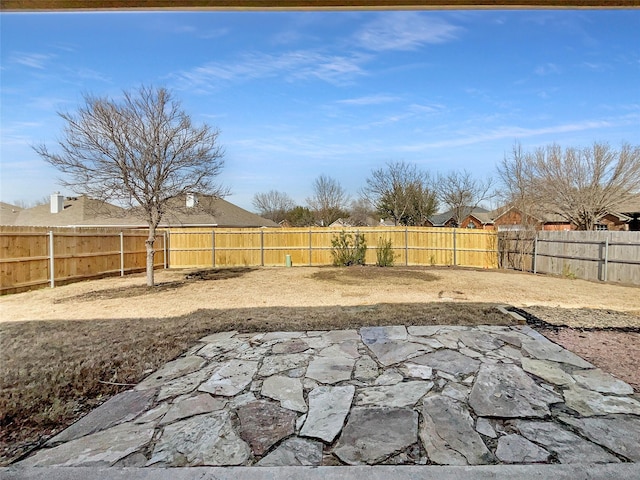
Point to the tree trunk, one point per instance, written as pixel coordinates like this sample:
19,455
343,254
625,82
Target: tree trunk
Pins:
150,255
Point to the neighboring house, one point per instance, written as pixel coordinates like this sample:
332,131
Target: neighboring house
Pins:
8,213
511,218
186,212
447,219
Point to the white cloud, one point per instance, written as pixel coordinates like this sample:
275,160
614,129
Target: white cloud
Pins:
295,65
512,132
405,31
369,100
32,60
547,69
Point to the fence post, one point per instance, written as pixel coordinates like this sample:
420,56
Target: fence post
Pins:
455,253
310,247
406,246
52,280
121,253
166,251
213,248
261,247
606,258
535,254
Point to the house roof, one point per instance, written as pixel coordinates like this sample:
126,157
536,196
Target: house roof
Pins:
76,210
8,213
85,212
631,206
440,219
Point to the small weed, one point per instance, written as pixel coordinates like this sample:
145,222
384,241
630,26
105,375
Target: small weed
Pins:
384,253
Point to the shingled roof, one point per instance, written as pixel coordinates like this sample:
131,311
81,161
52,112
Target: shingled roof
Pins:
83,211
8,213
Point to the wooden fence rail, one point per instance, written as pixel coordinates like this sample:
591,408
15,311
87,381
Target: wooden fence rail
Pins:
312,246
595,255
35,257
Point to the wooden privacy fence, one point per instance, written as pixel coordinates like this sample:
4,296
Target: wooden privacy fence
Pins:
612,256
32,257
312,246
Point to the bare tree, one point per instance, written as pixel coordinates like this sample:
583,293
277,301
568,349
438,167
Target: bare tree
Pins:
329,200
361,212
579,184
462,193
273,205
401,192
142,151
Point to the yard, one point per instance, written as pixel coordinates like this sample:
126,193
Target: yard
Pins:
65,350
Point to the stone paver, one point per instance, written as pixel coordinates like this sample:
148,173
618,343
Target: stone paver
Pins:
439,395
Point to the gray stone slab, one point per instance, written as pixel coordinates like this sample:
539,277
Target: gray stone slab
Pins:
403,394
392,352
230,378
365,368
186,384
449,361
456,391
268,337
263,424
585,471
174,369
348,348
121,408
373,434
504,390
389,377
551,372
330,369
215,351
424,330
599,381
550,351
218,338
287,391
338,336
618,433
281,363
202,440
188,407
428,341
294,452
415,370
100,449
448,435
480,341
328,408
588,403
373,335
484,427
569,447
295,345
516,449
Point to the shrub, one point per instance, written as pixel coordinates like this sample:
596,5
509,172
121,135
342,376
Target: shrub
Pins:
348,250
384,253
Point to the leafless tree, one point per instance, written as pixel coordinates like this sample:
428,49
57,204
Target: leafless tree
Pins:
579,184
401,192
329,200
142,151
361,212
462,193
273,205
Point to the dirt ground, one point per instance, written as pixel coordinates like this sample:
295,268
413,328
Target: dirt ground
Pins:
316,287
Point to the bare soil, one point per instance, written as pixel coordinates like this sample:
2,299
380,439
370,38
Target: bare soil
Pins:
63,349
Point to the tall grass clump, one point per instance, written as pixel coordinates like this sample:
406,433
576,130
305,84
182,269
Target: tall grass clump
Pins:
347,249
384,253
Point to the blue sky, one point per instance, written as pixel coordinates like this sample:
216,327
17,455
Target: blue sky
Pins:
300,94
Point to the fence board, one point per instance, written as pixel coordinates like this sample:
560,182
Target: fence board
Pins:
594,255
312,246
79,254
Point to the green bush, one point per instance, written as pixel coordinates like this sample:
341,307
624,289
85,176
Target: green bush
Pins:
384,253
348,250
